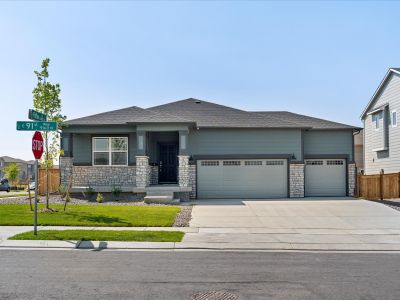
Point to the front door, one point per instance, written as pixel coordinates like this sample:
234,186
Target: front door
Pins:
168,163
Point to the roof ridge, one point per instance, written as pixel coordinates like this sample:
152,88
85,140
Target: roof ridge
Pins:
196,99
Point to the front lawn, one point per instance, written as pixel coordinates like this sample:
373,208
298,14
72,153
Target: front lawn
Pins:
91,215
102,235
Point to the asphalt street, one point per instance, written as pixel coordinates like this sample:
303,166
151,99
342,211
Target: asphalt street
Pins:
78,274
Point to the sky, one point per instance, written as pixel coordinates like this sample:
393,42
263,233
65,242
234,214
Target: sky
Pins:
323,59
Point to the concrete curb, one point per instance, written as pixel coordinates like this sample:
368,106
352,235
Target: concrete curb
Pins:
111,245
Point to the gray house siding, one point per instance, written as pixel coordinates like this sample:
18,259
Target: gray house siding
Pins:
245,141
82,147
388,160
331,142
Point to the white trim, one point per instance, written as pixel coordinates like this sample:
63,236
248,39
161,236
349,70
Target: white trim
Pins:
377,91
391,117
380,149
110,151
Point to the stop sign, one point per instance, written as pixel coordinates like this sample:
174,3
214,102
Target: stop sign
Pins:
37,145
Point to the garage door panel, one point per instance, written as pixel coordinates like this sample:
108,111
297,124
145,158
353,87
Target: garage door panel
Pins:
325,177
242,179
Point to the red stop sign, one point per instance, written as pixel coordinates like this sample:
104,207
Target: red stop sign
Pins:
37,145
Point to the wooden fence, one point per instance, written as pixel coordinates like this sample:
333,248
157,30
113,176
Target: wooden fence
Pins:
54,181
381,186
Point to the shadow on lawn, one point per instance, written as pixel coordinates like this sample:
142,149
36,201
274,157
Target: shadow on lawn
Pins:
99,219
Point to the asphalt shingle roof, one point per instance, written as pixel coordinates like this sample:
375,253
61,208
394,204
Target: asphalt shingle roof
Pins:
206,115
127,115
315,123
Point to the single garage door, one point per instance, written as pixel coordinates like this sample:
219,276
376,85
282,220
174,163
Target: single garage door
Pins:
254,178
325,177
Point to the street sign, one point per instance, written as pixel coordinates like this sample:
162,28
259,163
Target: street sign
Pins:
36,126
36,116
37,145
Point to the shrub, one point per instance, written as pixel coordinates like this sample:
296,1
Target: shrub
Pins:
89,193
62,190
99,198
116,191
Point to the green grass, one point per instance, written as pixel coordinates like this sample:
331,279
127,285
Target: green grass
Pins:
14,195
90,215
102,235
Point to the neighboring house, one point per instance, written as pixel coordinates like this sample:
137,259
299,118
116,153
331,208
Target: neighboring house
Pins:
27,168
359,150
381,133
199,149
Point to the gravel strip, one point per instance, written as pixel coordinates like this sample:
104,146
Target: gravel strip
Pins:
183,218
395,204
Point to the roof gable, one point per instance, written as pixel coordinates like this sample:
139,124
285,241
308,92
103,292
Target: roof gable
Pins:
385,80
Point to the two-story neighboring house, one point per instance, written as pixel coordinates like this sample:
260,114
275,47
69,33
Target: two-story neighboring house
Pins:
381,130
27,168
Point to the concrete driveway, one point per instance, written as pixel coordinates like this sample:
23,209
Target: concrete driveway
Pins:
314,223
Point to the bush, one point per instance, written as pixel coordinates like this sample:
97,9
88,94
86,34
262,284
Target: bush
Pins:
116,191
62,190
89,193
99,198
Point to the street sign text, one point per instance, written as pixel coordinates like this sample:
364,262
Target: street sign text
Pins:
36,116
36,126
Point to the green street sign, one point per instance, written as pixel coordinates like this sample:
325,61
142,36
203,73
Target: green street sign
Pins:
36,116
36,126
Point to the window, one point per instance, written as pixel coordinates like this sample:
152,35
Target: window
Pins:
210,163
334,162
394,118
315,162
274,162
252,162
376,119
110,151
231,163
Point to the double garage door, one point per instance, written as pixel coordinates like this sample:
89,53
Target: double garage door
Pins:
251,178
267,178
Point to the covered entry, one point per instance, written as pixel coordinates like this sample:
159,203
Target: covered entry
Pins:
325,177
242,178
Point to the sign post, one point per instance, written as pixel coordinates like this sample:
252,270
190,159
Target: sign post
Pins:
37,149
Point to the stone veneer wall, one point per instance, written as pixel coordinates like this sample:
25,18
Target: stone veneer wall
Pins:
351,175
296,180
183,170
193,181
142,171
66,168
153,175
104,175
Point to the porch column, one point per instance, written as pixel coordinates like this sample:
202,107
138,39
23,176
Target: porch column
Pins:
142,161
142,171
183,170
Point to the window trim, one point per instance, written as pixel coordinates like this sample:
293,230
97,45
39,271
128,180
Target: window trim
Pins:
110,151
391,117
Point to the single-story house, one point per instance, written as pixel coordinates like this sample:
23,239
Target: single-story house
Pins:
198,149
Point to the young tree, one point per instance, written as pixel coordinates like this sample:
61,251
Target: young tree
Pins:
12,173
46,99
